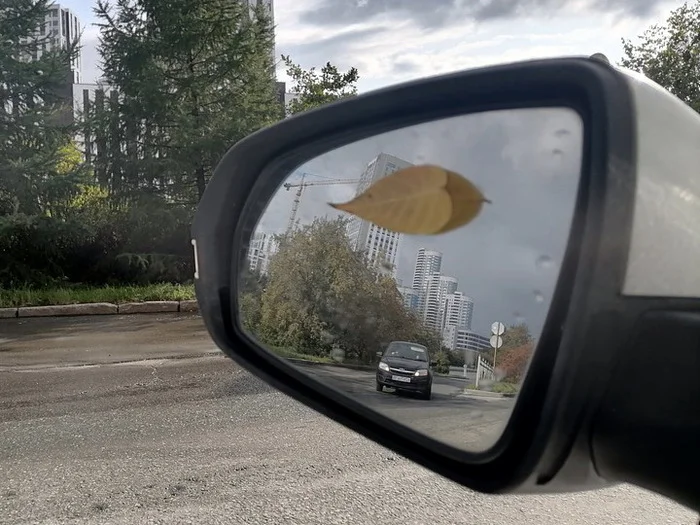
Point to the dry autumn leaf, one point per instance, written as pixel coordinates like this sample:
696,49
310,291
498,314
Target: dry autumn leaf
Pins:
420,200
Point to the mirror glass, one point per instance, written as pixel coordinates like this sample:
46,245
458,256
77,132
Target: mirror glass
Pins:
432,326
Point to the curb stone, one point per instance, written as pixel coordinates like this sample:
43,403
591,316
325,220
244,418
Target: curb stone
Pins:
189,306
8,313
68,310
82,309
483,393
149,307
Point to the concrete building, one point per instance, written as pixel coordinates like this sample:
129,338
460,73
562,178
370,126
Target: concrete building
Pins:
85,96
438,289
428,262
61,28
410,298
462,340
459,309
381,246
262,247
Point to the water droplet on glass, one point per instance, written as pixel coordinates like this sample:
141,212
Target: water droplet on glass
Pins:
561,132
538,296
519,318
557,152
544,262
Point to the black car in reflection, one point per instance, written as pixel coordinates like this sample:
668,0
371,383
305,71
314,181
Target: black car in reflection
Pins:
405,366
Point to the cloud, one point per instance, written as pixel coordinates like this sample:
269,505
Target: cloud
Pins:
335,44
526,161
442,13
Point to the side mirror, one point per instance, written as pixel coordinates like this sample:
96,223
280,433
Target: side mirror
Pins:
564,193
379,354
433,363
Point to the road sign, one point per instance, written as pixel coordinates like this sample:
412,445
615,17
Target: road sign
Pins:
498,328
496,341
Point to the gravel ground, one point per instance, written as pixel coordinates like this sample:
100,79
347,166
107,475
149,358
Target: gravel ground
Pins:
198,440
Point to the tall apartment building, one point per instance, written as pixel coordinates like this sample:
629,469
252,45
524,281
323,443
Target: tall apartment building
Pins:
262,247
381,246
61,27
438,289
428,262
459,309
410,298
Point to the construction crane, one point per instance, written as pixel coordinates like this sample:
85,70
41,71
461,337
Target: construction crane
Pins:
302,185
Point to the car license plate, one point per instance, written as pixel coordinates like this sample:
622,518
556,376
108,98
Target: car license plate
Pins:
401,379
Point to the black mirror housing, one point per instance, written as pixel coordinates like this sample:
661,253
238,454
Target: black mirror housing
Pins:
561,435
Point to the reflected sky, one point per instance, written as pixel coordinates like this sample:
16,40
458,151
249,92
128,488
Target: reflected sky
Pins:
526,161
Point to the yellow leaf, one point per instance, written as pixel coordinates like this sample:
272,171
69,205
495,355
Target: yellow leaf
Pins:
420,200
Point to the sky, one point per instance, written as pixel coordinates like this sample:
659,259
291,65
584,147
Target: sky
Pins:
391,41
527,162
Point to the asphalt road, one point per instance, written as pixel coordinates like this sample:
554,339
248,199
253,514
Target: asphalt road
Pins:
471,423
88,438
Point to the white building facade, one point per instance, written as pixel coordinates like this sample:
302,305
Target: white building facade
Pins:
61,28
381,246
462,340
438,289
459,309
262,247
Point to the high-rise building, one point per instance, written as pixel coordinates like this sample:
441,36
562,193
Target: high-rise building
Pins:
459,309
410,298
381,246
428,262
438,289
61,28
262,247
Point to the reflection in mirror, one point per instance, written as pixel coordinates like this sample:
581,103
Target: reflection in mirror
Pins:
434,331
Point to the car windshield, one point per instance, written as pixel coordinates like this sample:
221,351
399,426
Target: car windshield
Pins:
407,351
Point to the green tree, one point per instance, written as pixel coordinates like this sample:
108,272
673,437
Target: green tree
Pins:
191,78
315,89
669,54
35,123
320,293
516,335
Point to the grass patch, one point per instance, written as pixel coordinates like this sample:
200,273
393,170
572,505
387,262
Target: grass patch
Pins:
17,297
504,388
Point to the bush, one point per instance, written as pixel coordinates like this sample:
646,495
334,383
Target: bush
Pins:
513,362
137,245
442,362
505,388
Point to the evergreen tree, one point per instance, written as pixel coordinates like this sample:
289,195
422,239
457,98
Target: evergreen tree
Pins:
35,119
193,77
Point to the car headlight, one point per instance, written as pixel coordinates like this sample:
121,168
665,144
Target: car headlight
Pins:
383,366
423,372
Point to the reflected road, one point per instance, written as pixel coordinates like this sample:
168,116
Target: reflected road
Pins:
471,423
